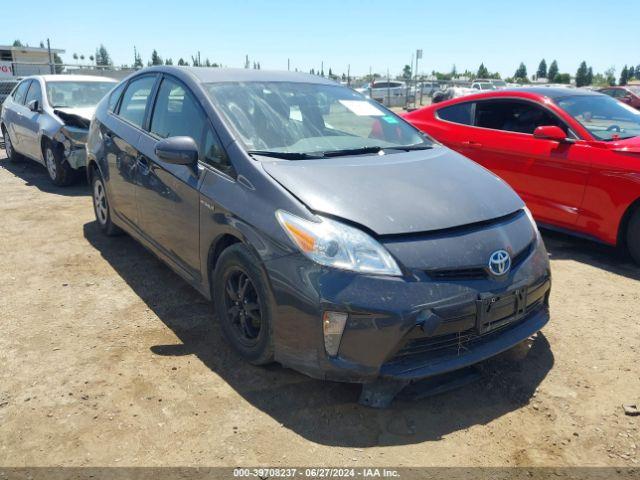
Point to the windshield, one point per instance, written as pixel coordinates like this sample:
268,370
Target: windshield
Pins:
308,118
499,83
635,90
76,94
487,86
604,117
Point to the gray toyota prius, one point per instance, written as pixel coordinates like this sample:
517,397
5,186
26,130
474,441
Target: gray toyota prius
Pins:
332,236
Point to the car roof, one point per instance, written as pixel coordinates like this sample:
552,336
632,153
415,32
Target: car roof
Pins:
553,93
73,78
216,75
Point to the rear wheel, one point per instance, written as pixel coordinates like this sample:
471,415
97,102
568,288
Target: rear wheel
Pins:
101,205
240,293
59,170
633,236
12,155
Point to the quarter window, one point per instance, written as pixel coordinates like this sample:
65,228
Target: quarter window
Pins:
134,102
21,92
460,113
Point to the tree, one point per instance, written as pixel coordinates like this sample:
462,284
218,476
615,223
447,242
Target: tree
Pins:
562,78
41,44
17,43
75,57
590,76
454,71
156,59
521,73
553,71
632,72
406,72
610,75
483,72
182,63
581,75
102,57
137,59
58,63
542,69
207,62
624,76
168,61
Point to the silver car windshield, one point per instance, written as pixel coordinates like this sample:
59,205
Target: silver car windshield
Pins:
308,118
604,117
70,94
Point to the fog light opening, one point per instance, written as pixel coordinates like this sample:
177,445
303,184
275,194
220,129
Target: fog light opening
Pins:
333,324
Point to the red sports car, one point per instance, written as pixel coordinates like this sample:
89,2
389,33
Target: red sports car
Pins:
572,155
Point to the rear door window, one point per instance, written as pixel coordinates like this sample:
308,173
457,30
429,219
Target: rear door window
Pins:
21,92
460,113
114,97
135,100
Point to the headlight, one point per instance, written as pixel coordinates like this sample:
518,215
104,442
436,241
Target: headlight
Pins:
530,217
334,244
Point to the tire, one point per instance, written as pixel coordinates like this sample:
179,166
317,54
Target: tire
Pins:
12,155
101,207
59,170
633,236
244,313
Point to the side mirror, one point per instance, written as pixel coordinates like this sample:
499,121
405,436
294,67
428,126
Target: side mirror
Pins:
550,132
34,106
178,150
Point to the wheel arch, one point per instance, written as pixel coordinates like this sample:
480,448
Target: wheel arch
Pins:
219,245
626,218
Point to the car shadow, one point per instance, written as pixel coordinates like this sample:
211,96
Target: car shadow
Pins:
562,246
320,411
35,175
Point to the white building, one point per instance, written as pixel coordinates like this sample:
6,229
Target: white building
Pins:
23,61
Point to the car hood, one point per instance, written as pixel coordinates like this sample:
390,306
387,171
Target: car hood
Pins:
628,145
398,193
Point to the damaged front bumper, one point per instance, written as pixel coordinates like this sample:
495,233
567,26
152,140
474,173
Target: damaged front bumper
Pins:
73,141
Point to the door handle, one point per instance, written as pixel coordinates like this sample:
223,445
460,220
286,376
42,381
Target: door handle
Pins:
471,143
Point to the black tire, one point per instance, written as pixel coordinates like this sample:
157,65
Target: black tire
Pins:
237,310
58,169
633,236
12,155
101,207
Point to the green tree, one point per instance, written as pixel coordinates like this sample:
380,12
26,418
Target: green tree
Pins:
624,76
168,61
406,72
17,43
454,71
581,75
58,63
632,72
610,75
102,57
542,69
182,63
75,57
483,72
553,71
590,76
521,73
156,59
562,78
137,59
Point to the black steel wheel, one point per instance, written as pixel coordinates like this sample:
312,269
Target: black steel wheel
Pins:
242,304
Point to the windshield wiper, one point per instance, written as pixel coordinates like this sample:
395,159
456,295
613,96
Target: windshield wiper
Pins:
284,155
352,151
410,148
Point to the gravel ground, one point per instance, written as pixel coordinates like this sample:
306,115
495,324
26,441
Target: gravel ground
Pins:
108,358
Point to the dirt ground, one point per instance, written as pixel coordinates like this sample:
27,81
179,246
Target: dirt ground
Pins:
108,358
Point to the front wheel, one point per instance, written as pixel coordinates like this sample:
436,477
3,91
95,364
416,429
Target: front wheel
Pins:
101,205
241,298
59,170
633,236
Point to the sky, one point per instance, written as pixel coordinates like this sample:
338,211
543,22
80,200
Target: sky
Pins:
366,34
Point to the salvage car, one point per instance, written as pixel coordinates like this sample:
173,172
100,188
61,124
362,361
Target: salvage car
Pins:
333,237
46,118
572,155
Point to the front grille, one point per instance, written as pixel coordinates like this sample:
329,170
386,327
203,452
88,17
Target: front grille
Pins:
454,344
474,273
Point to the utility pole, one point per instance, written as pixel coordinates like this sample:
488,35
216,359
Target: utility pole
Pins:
288,64
349,75
51,69
418,57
